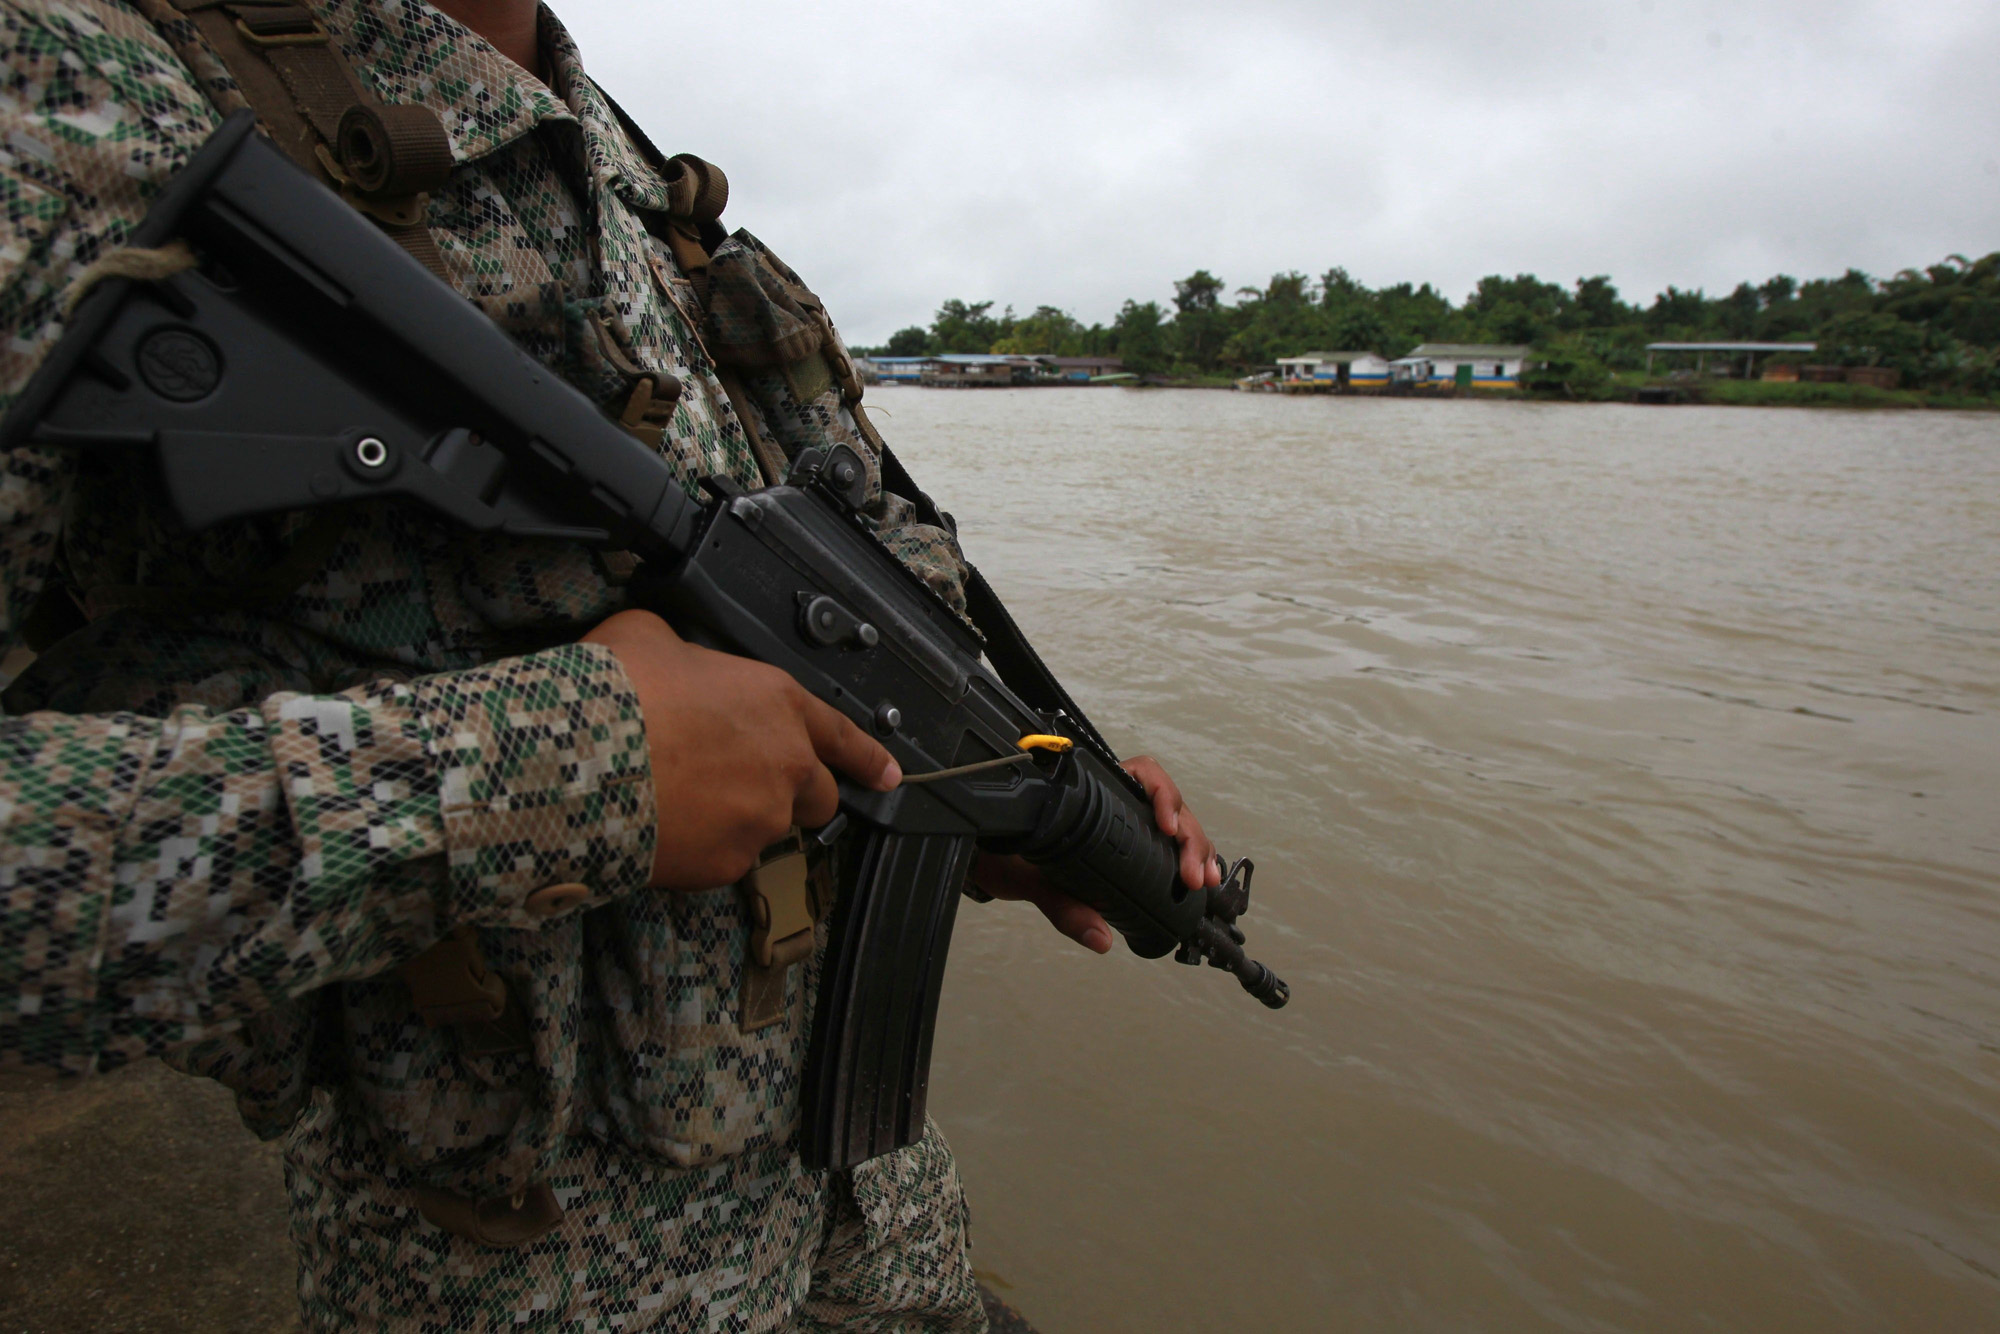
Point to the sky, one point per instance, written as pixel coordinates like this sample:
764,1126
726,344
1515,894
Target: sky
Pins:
1076,154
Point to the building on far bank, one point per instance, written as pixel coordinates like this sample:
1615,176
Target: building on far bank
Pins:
899,370
1725,355
1080,370
965,370
1466,365
1338,370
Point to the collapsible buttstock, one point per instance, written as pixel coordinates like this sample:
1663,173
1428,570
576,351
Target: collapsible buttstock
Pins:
867,1073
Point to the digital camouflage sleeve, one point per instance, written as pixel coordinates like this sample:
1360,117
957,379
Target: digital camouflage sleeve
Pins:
164,878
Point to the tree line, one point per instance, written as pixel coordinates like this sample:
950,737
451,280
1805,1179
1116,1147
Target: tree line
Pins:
1940,326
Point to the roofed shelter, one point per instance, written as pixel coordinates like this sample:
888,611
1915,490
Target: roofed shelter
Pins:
1748,351
1081,370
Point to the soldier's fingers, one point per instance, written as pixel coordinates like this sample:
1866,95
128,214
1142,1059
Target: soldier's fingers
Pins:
1018,878
1005,877
1162,789
1074,918
1197,853
817,800
843,746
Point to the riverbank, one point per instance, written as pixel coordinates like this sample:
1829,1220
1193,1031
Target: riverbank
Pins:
1637,387
1714,393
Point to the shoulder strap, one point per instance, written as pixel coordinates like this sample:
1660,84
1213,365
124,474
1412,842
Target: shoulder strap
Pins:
697,192
382,159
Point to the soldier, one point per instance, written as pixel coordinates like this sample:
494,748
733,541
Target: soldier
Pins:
360,816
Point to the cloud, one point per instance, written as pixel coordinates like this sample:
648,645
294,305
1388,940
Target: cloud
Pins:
898,153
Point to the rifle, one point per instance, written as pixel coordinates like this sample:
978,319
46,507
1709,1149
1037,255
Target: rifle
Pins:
308,360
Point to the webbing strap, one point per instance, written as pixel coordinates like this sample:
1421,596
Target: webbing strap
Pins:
382,159
697,192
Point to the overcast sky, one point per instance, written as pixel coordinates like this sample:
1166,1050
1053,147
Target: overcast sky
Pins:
1078,153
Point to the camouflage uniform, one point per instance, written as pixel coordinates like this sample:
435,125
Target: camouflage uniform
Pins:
287,755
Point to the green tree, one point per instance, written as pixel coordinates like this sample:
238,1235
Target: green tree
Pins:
1675,311
1596,305
1512,322
1939,324
1142,341
1279,321
1046,333
911,342
1360,329
1567,368
1740,312
1200,325
1339,291
1414,315
1778,290
1960,297
1877,338
962,327
1520,309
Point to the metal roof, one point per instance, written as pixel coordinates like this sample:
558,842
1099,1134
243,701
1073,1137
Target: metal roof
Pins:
1323,358
980,359
1471,351
955,359
1732,347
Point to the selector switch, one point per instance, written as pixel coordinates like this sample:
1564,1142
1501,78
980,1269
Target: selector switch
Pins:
826,622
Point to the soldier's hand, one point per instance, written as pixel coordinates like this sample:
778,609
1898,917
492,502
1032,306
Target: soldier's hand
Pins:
741,753
1199,868
1018,878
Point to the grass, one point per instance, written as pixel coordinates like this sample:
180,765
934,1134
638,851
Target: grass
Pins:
1761,394
1782,394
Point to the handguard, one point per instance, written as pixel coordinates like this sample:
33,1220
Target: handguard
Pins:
307,360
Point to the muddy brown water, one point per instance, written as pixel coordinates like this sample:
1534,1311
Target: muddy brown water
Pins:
1623,788
1622,784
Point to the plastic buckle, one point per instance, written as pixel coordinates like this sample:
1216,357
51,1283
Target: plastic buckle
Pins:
281,28
784,900
780,898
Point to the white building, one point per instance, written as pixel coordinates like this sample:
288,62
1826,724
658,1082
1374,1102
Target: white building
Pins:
1467,365
1349,370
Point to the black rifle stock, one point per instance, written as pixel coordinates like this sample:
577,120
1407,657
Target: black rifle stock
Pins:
308,360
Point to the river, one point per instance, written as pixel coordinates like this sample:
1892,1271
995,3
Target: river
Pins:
1622,785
